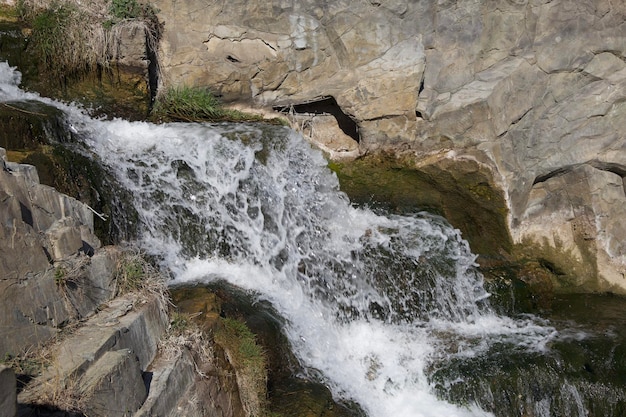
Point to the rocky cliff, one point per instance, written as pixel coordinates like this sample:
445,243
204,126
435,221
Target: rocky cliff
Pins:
531,91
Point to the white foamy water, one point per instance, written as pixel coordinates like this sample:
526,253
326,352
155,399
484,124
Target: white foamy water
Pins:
370,300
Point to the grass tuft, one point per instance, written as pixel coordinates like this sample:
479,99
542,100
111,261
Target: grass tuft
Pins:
135,273
195,104
250,363
187,104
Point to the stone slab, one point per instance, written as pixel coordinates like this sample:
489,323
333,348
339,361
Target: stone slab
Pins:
113,386
129,322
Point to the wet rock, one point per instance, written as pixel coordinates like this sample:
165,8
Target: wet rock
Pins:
462,190
573,222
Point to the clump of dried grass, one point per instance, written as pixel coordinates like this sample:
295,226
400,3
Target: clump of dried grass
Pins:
135,272
184,334
76,36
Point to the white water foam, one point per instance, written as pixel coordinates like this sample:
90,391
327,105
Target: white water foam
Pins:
369,300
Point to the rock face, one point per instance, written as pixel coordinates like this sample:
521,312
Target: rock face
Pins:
117,344
533,90
48,275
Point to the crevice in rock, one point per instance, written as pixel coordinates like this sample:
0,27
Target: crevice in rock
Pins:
517,120
153,35
616,53
550,266
617,169
612,167
552,174
268,44
324,106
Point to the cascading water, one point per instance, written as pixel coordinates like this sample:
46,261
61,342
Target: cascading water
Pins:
374,304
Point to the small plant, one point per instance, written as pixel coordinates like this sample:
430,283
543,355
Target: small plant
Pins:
130,10
49,29
136,273
187,104
179,322
125,9
130,273
60,276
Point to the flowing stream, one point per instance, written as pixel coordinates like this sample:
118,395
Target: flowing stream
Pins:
387,310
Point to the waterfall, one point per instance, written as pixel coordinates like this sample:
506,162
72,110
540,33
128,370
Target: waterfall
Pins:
372,302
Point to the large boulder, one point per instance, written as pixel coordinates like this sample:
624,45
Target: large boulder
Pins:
529,89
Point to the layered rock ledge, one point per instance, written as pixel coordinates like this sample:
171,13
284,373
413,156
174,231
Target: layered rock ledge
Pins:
533,91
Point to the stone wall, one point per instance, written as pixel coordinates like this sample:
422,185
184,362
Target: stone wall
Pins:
533,90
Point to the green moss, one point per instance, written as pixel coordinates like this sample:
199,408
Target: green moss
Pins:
566,271
249,360
241,342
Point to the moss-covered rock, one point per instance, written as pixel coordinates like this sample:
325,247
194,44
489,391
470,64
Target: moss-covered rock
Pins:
244,326
460,190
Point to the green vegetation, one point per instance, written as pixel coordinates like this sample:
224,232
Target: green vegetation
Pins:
190,104
241,344
55,29
136,273
196,104
179,322
125,9
130,10
60,276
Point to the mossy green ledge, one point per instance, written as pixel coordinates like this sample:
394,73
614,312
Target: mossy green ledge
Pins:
551,252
